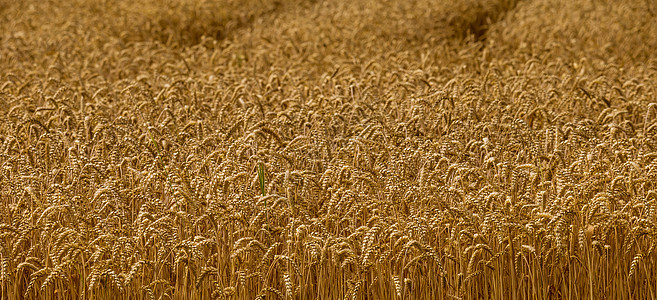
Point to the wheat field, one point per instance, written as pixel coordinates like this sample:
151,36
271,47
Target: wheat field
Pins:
328,149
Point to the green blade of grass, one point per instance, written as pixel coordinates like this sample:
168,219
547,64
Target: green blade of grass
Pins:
261,178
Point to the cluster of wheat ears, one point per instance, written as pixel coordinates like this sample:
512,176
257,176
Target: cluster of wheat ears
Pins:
328,149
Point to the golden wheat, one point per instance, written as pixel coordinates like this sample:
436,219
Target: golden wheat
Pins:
495,149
